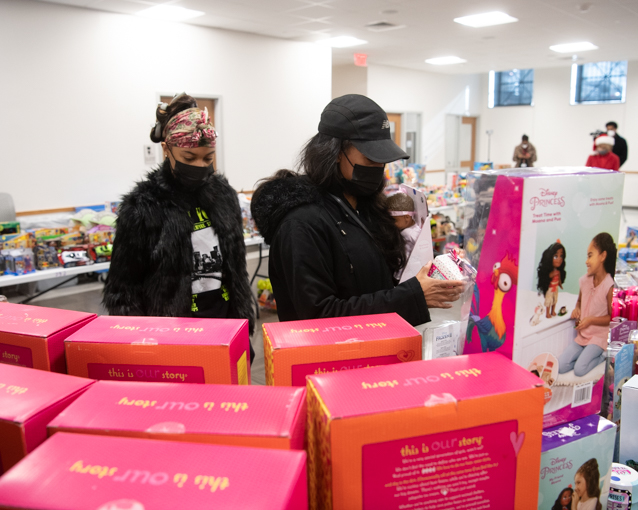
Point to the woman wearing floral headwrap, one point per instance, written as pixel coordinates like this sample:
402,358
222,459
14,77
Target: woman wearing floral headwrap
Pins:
179,249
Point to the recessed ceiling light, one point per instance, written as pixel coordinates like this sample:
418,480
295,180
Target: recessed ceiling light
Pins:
444,61
343,41
487,19
169,13
573,47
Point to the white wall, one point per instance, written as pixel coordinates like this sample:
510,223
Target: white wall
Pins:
79,90
349,79
431,94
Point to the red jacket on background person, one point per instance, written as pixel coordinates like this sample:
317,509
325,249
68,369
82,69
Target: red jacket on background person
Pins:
609,161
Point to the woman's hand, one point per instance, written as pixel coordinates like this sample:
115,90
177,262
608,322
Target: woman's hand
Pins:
439,293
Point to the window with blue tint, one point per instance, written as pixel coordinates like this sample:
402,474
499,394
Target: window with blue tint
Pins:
599,82
511,88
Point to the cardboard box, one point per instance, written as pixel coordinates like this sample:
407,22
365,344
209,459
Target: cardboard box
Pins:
514,218
629,417
33,336
199,413
116,473
459,432
29,399
574,453
296,349
161,349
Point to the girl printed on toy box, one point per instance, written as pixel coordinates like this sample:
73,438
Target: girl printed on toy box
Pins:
564,500
587,489
593,309
551,276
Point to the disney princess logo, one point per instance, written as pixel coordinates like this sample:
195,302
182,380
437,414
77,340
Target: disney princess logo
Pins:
547,198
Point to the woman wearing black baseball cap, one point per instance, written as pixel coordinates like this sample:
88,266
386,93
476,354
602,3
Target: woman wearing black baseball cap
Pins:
333,245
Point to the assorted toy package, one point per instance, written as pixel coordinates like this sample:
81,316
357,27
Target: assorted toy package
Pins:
296,349
529,233
29,400
629,416
33,336
121,473
460,432
198,413
161,349
623,491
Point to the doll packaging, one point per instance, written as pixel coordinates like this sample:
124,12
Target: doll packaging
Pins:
459,432
33,336
629,417
199,413
29,399
80,472
161,349
527,231
576,463
296,349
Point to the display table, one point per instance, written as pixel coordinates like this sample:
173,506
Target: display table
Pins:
72,272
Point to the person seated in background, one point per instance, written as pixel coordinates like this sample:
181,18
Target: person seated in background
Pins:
524,153
603,157
620,144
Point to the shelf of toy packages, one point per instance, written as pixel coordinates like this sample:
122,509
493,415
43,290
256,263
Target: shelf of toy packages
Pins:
58,272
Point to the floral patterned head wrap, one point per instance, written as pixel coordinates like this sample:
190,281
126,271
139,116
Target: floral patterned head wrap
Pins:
190,129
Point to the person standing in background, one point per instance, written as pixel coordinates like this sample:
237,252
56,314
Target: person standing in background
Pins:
603,157
620,144
524,153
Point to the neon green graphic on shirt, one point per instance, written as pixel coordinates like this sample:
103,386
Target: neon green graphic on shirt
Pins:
203,222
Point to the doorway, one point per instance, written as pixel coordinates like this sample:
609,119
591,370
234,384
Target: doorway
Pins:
460,142
395,127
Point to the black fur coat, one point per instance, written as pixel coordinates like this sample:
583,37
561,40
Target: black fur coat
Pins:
153,256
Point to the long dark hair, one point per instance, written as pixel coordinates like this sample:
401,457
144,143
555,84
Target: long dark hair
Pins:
318,160
589,471
605,243
164,113
546,266
558,505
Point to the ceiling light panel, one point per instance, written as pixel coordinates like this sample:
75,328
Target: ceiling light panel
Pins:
169,13
445,61
573,47
343,41
487,19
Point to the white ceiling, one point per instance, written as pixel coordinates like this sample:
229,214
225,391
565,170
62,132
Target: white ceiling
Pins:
428,31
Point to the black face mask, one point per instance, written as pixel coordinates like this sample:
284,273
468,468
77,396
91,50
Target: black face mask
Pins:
366,180
190,176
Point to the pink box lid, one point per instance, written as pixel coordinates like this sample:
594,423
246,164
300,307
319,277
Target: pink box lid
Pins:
36,320
407,385
160,331
363,328
258,410
25,392
138,474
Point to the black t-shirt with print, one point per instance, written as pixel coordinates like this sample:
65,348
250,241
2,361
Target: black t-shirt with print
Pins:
210,297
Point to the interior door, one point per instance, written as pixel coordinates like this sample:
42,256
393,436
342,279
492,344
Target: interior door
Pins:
395,127
467,142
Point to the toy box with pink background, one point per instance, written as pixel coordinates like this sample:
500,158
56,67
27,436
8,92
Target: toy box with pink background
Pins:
198,413
33,336
459,432
295,349
29,400
161,349
80,472
527,232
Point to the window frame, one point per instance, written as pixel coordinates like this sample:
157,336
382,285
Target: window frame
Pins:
577,82
495,88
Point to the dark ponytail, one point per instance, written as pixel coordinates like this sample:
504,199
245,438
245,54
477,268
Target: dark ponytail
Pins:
165,112
605,243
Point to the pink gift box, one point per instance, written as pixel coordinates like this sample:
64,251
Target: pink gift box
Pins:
29,399
33,336
220,414
295,349
161,349
80,472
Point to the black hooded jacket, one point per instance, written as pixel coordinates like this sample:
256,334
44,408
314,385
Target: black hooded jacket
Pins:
152,257
321,262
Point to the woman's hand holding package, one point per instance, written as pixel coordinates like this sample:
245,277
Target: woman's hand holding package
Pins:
439,293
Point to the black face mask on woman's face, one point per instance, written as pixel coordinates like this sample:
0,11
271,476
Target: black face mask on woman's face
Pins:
190,176
366,180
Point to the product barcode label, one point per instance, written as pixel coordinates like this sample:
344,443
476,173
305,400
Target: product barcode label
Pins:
582,394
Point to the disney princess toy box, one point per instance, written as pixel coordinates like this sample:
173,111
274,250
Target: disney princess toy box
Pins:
539,238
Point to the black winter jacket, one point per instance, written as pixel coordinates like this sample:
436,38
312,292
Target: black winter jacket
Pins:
620,148
322,263
152,258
